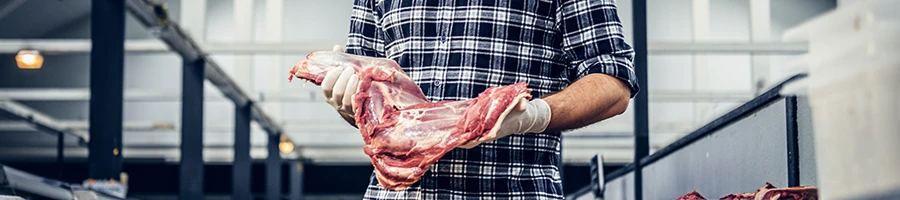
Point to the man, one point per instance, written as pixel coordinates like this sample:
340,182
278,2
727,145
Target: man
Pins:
570,52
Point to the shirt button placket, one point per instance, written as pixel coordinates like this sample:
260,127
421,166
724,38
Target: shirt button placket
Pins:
443,48
438,81
446,26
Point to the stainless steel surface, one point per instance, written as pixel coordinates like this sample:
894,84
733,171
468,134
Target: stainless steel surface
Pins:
20,180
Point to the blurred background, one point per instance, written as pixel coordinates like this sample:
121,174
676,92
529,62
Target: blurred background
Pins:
704,61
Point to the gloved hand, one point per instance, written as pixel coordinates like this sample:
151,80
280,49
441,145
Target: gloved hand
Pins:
339,86
526,117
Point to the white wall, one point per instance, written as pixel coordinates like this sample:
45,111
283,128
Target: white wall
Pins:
789,13
729,21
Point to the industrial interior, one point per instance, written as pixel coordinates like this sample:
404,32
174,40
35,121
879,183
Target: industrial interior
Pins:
189,99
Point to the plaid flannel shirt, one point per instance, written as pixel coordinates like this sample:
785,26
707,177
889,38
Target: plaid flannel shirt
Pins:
456,49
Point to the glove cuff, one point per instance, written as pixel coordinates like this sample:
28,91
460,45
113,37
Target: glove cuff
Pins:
538,113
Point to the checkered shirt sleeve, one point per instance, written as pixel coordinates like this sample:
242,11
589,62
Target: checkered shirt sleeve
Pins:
594,42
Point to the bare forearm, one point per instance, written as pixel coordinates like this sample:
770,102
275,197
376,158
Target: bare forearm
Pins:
591,99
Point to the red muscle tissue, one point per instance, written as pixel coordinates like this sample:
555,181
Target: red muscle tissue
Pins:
770,192
404,133
694,195
767,192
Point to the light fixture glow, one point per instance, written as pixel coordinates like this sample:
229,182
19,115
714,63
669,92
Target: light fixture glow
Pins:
286,147
29,59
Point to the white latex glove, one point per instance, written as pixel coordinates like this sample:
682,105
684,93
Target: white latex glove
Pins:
339,86
526,117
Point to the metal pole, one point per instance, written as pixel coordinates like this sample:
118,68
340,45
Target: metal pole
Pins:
641,124
296,179
273,168
240,174
60,158
107,79
191,185
793,148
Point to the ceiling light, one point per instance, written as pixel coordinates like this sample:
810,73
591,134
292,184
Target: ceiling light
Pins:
286,146
29,59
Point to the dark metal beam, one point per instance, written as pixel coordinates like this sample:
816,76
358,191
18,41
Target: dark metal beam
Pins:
793,148
60,157
641,108
191,169
273,169
154,15
240,175
107,79
296,179
16,111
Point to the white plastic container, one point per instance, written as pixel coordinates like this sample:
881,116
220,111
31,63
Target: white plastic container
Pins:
857,129
854,92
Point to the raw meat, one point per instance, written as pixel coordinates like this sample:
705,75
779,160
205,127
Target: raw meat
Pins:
744,196
747,196
770,192
404,133
692,196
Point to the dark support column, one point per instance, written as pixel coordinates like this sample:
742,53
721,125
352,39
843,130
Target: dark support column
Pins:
240,174
273,168
107,79
793,148
641,108
191,169
296,179
60,157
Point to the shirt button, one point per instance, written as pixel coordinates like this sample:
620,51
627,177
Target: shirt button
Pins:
437,83
443,39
